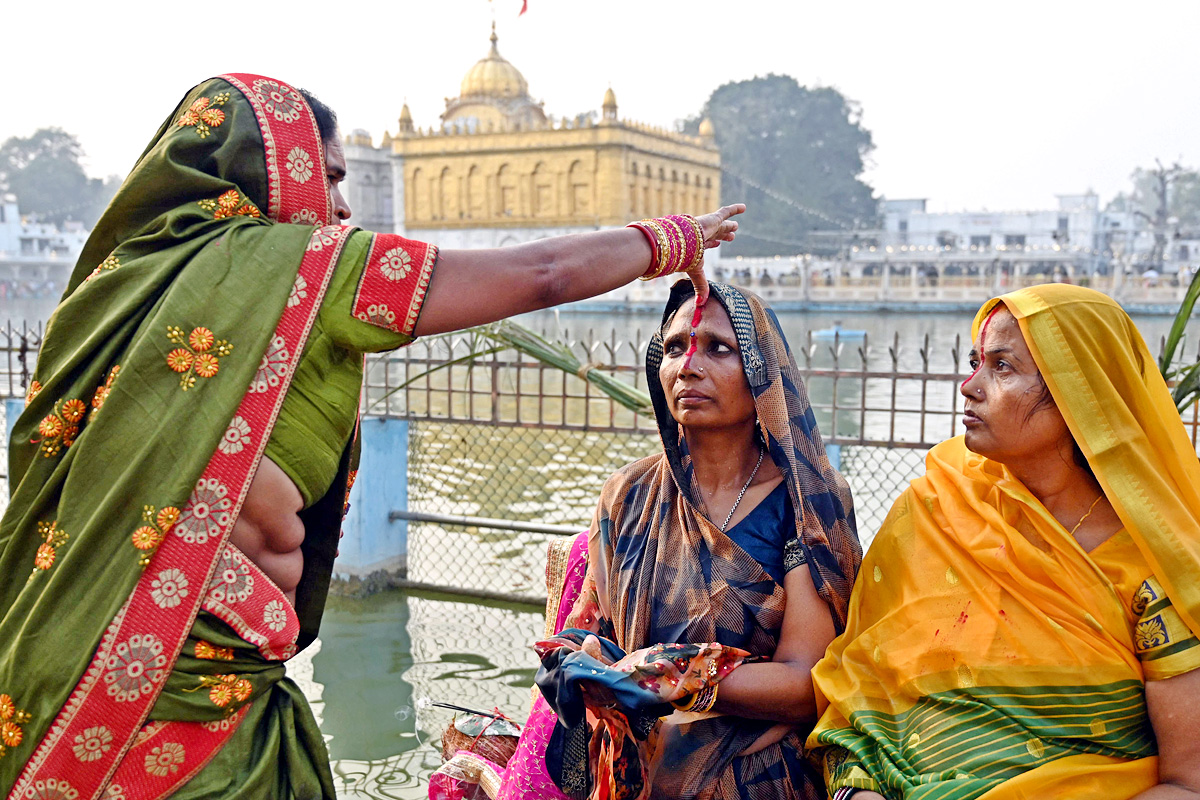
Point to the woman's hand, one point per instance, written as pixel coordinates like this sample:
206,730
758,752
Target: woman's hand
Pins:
718,227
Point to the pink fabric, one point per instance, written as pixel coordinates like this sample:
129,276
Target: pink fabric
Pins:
525,777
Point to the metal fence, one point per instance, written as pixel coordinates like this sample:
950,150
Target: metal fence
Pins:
508,437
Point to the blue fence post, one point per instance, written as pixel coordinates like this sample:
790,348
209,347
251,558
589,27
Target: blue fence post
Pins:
372,542
834,453
13,406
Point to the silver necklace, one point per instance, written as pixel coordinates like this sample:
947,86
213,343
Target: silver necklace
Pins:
742,493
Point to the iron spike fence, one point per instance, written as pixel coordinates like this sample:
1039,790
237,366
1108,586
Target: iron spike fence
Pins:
502,436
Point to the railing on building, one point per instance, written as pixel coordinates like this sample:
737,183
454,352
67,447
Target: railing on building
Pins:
495,455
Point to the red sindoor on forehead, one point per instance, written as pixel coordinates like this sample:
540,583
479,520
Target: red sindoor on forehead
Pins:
982,336
697,315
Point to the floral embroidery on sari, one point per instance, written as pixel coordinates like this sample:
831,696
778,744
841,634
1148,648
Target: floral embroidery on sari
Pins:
60,427
48,550
207,512
227,692
107,265
273,367
148,537
103,391
279,100
166,758
230,204
35,388
93,743
135,666
394,282
212,652
203,114
198,354
11,720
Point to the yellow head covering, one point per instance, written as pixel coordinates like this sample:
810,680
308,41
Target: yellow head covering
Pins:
1117,405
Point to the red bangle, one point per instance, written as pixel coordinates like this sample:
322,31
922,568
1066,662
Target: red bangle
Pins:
652,239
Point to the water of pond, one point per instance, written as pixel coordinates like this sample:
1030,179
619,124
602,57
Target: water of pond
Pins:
380,661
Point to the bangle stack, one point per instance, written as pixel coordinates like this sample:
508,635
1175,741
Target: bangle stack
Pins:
701,701
676,244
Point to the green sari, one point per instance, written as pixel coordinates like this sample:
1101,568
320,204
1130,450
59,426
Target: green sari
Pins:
136,647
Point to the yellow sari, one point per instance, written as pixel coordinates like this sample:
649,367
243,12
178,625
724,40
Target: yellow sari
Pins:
986,655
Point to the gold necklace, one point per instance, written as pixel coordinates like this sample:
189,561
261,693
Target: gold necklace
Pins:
1088,514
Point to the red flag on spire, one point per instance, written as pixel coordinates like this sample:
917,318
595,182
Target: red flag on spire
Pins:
524,7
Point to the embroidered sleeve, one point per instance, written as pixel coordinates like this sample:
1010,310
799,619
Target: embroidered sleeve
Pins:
793,554
1162,641
377,291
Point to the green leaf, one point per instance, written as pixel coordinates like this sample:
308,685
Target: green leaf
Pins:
1177,327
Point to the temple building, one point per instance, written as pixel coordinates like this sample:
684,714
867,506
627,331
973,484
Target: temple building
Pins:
497,170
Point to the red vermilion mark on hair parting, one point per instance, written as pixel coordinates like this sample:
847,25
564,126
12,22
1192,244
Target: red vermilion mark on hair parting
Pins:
696,316
982,335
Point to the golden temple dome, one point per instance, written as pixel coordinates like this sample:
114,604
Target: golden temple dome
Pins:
494,76
706,128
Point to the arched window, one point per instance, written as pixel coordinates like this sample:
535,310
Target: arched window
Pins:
506,186
476,193
543,191
579,190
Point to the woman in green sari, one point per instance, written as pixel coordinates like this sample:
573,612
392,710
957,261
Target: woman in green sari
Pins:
180,471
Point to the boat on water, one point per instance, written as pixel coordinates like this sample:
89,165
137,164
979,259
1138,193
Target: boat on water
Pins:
836,331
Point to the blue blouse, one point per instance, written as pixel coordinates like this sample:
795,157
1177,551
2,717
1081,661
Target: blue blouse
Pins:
765,531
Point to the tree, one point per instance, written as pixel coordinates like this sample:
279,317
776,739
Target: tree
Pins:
1168,199
796,156
44,172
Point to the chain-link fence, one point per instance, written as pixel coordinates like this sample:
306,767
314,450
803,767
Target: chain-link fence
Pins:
495,433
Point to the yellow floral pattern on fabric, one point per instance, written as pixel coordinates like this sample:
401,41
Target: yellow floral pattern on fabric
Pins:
11,720
47,551
59,428
103,391
204,114
230,204
1164,644
1144,596
212,652
107,265
1151,633
225,691
198,354
148,537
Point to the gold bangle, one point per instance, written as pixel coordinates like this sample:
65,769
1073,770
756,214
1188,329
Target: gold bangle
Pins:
699,259
686,705
706,698
664,247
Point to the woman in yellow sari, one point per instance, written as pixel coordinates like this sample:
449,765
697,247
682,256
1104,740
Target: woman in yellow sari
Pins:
1025,623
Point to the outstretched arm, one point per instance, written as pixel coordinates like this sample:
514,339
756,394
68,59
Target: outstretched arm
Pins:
473,287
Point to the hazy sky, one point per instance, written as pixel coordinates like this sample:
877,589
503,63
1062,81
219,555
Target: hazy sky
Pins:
973,103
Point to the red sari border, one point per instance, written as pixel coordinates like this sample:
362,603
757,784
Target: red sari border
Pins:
159,762
394,282
244,598
297,191
144,634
